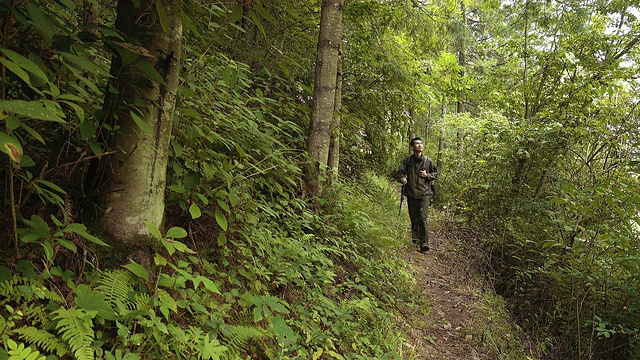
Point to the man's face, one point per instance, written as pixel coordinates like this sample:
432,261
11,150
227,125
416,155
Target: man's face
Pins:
417,146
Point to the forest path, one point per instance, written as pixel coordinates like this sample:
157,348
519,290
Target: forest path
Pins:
449,323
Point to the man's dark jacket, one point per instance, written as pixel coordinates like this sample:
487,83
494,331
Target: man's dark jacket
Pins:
418,186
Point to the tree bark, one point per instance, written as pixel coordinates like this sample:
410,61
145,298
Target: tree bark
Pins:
461,61
411,131
135,189
334,145
443,112
324,94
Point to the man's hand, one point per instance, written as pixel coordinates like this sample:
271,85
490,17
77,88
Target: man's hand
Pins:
403,180
424,173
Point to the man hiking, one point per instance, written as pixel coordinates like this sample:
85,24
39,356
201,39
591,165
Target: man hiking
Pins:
416,173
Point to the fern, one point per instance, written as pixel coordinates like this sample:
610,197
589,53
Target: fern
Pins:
20,288
9,291
76,328
116,286
142,301
35,313
44,340
238,337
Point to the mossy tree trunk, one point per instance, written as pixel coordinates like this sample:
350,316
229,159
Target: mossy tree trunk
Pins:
146,81
324,94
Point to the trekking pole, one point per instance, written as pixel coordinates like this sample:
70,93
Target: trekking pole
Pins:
401,199
400,212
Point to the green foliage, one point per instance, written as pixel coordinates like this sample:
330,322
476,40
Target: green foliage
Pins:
17,351
246,266
554,191
44,340
75,326
543,164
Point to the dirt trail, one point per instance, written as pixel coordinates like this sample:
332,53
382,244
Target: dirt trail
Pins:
445,328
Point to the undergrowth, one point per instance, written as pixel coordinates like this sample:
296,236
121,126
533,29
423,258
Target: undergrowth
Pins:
305,285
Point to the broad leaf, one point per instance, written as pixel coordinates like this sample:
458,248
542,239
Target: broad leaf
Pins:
138,270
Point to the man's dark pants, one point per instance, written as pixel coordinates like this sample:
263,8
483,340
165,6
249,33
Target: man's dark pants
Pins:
418,213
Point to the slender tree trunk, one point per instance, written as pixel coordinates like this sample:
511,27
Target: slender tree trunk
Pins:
428,124
525,72
461,96
334,147
90,14
443,112
411,130
324,94
461,61
135,188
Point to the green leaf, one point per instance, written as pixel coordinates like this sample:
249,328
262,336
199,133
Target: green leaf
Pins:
167,300
282,329
16,70
81,230
5,274
26,64
96,147
85,64
138,270
41,21
210,285
151,72
227,165
32,132
177,188
162,16
141,124
236,13
153,229
169,246
176,233
30,109
30,238
160,260
335,355
265,14
38,225
51,185
234,199
181,247
221,219
10,146
92,300
68,3
77,108
222,239
223,205
87,130
13,123
67,244
194,210
317,353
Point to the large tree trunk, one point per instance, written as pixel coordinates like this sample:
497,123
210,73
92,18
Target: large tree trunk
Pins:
324,94
137,170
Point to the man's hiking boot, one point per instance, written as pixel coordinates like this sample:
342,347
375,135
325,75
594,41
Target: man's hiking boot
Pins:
424,249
